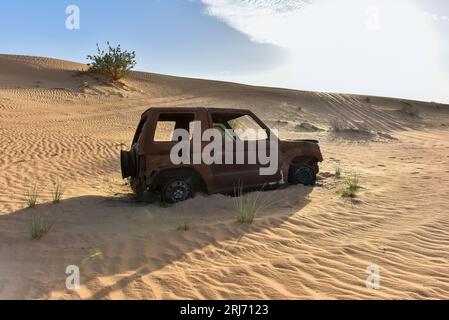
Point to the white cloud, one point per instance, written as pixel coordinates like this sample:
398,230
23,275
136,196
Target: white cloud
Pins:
380,47
437,17
259,19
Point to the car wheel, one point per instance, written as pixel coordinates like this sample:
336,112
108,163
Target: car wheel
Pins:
176,190
304,175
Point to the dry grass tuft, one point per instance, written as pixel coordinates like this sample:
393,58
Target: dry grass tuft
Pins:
337,171
351,186
32,197
39,227
183,227
58,193
247,206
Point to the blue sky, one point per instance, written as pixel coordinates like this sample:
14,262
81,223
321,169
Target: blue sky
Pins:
392,48
174,37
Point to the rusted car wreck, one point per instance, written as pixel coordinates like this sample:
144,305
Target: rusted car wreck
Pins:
150,167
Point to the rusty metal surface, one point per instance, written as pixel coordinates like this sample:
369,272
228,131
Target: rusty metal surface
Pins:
154,157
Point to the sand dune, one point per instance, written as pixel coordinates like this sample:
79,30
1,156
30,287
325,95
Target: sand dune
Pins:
59,125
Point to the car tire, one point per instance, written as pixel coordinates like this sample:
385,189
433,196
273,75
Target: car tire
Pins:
304,175
176,190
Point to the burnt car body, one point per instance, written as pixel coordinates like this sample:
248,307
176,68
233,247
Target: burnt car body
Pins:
149,166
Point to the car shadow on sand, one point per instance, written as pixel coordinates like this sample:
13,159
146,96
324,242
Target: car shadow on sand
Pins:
117,236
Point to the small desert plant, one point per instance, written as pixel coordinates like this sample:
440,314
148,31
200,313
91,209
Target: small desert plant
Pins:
58,192
115,64
351,186
410,110
344,126
247,206
39,227
337,171
184,227
32,196
340,125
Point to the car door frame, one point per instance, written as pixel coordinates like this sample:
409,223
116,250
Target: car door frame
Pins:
228,177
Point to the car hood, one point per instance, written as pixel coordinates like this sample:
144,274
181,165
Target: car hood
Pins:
308,148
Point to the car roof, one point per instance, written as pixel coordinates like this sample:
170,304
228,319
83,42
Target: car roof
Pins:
194,109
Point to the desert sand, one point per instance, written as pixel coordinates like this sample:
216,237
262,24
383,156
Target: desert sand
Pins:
58,125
